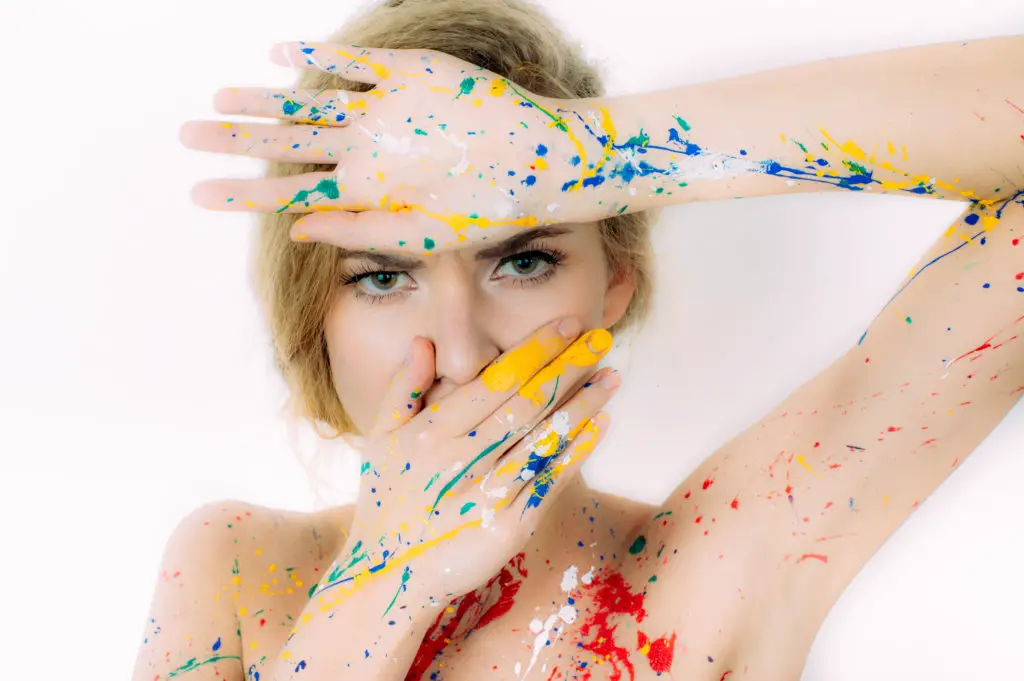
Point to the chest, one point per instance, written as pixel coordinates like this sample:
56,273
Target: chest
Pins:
655,603
579,623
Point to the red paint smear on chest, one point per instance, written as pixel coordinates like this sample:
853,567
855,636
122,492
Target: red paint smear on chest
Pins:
438,636
612,596
660,654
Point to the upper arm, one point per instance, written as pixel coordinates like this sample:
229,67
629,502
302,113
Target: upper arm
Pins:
774,525
192,626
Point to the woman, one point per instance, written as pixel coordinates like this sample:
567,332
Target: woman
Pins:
474,549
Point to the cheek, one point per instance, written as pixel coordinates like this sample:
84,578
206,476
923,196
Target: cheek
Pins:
362,364
577,289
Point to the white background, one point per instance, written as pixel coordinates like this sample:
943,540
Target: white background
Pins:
136,380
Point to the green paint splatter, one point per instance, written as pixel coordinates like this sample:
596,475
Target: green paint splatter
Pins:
465,87
436,476
856,167
414,394
365,469
553,392
465,507
638,545
682,124
661,514
405,579
327,186
192,665
420,132
291,108
401,243
653,578
462,473
909,321
428,243
230,200
643,139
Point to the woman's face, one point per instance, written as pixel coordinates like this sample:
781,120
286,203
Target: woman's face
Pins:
472,303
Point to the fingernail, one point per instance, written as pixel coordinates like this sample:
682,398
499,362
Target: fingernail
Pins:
570,327
611,380
599,340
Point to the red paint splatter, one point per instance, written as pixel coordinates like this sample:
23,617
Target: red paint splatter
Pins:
1020,276
735,503
660,654
893,429
707,483
818,556
438,636
612,596
1015,242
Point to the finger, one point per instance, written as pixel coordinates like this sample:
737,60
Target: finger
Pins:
273,142
543,392
545,444
320,107
303,193
399,229
518,387
466,406
359,64
403,397
549,483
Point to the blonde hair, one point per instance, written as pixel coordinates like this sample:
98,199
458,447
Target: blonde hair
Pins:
296,283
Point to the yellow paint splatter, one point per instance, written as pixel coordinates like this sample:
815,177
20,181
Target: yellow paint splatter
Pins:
526,364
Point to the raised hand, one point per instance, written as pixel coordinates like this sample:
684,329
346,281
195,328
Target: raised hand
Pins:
440,151
452,492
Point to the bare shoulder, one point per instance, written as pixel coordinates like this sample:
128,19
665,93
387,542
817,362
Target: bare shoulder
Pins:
191,625
277,556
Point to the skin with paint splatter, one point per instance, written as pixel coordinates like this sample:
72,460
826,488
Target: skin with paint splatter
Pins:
766,532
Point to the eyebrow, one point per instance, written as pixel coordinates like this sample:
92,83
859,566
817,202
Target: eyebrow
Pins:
509,246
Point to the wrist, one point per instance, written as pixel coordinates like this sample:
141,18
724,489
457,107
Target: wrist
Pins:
593,176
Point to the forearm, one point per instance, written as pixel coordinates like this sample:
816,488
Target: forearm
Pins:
942,120
369,632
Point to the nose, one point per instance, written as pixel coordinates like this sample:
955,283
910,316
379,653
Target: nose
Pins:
460,323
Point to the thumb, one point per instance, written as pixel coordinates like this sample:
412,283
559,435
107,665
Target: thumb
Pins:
403,398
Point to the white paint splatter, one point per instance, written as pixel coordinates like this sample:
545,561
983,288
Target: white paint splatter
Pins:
463,164
392,144
568,614
569,581
588,578
542,631
712,166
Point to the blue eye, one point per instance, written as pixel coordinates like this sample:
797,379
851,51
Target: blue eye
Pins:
383,288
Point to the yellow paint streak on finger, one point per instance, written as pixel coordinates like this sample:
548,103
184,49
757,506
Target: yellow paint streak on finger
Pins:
518,365
579,354
526,364
379,70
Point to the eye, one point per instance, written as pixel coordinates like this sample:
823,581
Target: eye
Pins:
522,270
527,263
